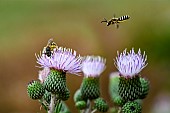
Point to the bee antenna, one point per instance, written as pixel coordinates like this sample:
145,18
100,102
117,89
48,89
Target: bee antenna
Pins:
114,15
50,40
104,20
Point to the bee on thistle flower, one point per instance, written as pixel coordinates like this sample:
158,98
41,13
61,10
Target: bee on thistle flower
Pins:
48,49
63,60
55,62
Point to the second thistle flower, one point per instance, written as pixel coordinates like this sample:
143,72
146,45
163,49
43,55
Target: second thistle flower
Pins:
92,67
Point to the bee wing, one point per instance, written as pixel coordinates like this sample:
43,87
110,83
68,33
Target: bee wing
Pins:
50,41
44,50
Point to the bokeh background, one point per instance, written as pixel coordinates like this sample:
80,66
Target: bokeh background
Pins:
26,26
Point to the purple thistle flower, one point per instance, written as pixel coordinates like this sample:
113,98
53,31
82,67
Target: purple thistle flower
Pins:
130,64
93,66
62,59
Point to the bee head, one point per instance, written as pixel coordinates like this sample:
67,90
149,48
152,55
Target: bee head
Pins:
109,22
48,48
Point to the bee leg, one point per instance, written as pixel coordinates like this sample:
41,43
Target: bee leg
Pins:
117,25
104,20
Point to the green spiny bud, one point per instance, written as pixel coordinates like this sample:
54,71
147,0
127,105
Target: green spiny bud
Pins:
130,88
132,107
81,105
55,82
113,89
119,101
35,90
145,88
101,105
78,96
65,95
90,88
47,97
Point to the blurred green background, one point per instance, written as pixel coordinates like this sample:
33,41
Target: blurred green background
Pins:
26,26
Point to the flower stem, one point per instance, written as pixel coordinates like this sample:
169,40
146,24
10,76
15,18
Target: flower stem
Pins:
119,111
52,104
94,111
88,109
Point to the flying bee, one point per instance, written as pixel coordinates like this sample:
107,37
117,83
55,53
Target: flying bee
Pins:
116,21
51,45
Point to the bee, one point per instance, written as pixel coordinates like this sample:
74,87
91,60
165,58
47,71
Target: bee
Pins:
116,21
51,45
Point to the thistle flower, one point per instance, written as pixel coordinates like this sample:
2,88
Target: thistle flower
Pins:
43,74
93,66
62,59
130,64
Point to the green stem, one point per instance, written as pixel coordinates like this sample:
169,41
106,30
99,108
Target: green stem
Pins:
44,104
88,109
119,111
52,104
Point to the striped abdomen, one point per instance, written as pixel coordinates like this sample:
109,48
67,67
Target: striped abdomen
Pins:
122,18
